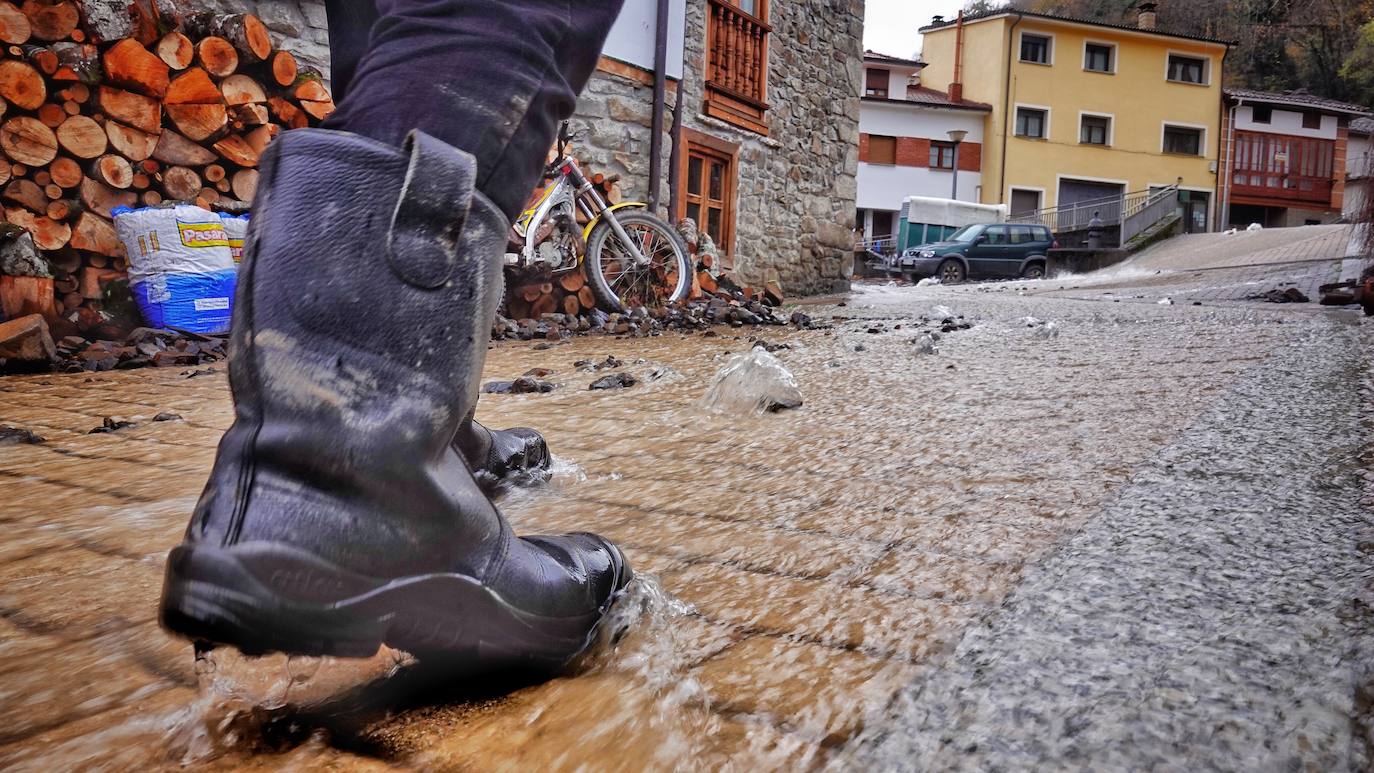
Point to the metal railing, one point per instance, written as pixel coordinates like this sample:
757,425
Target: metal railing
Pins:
1158,205
1133,212
881,245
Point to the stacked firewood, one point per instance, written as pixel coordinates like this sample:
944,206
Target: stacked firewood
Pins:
108,103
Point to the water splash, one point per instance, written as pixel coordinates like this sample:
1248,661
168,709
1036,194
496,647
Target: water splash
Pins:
754,382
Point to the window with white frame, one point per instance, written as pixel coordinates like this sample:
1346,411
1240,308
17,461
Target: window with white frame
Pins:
1035,48
1187,69
1095,130
1098,57
1184,140
1031,121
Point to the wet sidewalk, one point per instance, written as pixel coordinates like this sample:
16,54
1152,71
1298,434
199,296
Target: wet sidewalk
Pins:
802,570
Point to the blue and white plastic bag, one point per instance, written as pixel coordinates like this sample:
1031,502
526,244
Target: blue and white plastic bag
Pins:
235,230
180,267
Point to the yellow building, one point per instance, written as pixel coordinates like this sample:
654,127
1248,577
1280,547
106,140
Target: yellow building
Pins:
1084,110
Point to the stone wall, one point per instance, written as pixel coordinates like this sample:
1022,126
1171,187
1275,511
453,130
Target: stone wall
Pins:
797,186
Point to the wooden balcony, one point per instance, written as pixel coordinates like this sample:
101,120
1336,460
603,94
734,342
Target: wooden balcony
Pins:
736,66
1281,170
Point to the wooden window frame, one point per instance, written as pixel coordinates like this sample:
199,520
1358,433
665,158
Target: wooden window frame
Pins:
870,91
937,148
884,137
728,151
747,111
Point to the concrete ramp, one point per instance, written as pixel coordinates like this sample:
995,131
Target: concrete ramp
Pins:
1248,248
1221,267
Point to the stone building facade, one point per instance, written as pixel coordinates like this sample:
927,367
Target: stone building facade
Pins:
790,212
786,153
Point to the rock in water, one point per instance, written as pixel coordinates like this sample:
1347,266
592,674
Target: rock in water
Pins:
753,383
614,381
15,436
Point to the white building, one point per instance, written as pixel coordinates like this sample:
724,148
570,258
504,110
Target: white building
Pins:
905,147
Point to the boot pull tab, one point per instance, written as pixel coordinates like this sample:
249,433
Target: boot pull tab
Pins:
422,244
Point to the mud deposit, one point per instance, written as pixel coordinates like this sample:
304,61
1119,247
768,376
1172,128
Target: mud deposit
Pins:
1139,541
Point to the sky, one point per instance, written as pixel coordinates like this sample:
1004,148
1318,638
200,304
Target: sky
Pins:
890,25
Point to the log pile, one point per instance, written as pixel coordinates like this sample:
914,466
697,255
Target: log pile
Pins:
106,103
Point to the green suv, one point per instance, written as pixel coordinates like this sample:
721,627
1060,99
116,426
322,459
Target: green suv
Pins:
981,251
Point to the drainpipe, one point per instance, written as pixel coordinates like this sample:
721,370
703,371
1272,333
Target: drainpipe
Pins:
660,88
1229,142
1007,118
675,156
956,88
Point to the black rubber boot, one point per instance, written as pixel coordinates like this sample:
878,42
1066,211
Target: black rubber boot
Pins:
338,515
516,456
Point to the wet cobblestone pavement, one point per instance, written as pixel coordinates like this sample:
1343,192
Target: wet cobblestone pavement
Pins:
1136,539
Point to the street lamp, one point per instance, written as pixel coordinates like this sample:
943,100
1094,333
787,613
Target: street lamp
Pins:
956,136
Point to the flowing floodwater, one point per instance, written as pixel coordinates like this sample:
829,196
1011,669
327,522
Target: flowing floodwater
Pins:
1011,532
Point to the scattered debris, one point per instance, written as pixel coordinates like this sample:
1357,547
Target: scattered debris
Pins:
538,373
1165,302
167,417
195,373
111,425
754,382
1359,291
614,381
762,344
1290,295
13,436
588,366
521,386
925,344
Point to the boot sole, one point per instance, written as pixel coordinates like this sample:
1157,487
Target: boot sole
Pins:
262,598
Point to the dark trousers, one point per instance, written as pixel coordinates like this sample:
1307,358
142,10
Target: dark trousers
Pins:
492,77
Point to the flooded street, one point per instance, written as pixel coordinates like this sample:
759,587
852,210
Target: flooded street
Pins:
1090,530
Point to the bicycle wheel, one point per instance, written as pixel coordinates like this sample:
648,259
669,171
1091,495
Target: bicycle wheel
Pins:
618,282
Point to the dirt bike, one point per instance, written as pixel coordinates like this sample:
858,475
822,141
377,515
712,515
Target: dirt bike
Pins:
632,258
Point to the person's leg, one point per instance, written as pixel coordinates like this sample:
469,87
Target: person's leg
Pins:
413,59
492,78
338,516
350,30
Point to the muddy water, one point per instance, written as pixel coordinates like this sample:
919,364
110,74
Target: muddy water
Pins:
803,574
